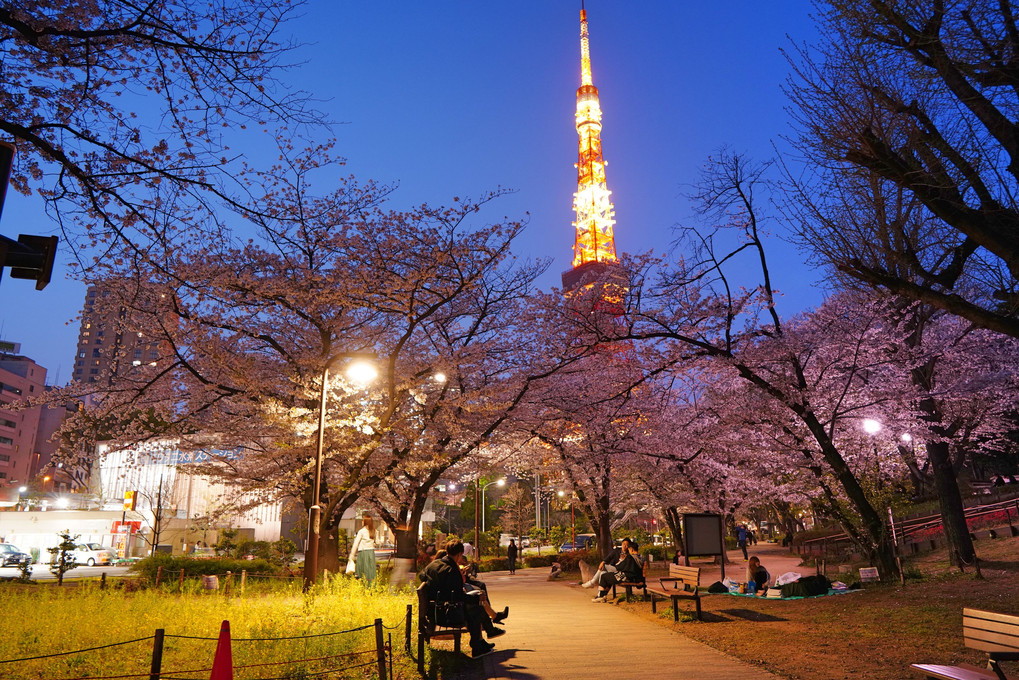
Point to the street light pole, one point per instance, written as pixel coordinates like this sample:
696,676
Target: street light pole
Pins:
315,512
362,372
500,482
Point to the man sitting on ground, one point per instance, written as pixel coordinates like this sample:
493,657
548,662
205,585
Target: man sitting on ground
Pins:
446,584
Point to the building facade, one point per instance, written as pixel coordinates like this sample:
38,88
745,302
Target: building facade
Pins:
26,444
105,346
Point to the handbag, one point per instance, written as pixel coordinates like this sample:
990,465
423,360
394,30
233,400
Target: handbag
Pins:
350,567
450,614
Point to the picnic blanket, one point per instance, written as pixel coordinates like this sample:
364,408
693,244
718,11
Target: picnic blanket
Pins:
831,591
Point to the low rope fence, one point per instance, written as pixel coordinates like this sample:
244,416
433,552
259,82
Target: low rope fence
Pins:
365,647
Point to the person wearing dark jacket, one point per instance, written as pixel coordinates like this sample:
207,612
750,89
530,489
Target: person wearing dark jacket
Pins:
629,569
511,556
446,584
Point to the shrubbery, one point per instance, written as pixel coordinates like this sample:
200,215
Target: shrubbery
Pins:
571,560
172,564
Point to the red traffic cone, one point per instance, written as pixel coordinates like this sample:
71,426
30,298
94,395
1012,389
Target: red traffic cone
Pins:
223,664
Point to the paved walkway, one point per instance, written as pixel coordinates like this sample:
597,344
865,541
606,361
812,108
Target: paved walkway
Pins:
555,631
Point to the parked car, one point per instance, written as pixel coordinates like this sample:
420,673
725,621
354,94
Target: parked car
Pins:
111,553
584,542
90,557
13,556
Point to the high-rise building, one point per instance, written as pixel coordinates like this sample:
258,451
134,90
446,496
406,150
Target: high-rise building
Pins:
105,348
26,445
594,249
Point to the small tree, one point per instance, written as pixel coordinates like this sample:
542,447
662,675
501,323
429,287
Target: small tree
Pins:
63,556
226,543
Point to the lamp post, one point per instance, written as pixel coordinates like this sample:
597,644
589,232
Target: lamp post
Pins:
498,482
573,520
361,372
477,488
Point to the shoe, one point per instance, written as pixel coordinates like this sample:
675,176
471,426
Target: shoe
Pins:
600,598
501,616
495,632
589,584
482,651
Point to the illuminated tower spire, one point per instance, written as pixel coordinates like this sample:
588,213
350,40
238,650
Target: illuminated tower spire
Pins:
595,242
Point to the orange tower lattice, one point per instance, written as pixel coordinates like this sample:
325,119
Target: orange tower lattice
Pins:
592,204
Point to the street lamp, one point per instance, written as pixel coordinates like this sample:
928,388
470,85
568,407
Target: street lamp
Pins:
477,486
498,482
361,372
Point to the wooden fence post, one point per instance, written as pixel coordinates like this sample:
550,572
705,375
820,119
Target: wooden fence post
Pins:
159,574
157,655
229,582
102,581
406,635
380,649
244,579
180,581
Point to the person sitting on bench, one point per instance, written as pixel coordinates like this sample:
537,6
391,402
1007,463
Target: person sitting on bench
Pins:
629,569
608,565
446,584
480,588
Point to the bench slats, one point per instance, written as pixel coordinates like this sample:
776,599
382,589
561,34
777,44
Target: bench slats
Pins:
690,577
965,672
990,632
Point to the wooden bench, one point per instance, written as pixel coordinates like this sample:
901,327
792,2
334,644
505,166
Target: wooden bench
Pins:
995,634
682,581
428,630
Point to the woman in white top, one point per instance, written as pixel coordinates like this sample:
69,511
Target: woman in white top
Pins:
362,552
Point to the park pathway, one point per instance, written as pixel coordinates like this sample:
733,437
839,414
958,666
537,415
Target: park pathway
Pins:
555,631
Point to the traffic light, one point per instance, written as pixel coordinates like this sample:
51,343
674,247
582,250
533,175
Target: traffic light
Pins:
30,257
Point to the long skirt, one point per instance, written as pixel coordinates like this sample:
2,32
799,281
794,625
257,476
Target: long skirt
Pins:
364,566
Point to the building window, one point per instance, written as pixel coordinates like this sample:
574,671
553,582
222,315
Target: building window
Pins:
93,371
9,388
81,354
4,459
96,353
3,475
8,423
7,441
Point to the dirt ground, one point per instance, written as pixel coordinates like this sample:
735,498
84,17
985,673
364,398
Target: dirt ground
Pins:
876,633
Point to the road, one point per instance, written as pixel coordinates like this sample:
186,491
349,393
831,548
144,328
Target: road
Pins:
41,572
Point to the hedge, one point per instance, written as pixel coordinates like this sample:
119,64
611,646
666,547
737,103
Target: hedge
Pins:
172,564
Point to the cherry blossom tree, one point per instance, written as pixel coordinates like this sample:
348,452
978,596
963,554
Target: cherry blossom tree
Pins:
119,110
245,328
908,108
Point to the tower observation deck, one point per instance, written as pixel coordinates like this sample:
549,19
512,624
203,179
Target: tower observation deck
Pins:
595,246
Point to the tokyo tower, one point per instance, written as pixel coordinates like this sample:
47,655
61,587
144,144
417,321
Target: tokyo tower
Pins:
594,250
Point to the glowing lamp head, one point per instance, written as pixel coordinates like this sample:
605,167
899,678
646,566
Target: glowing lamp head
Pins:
501,482
871,426
907,437
362,372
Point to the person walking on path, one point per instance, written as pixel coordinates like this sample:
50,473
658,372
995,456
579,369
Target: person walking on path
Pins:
511,556
741,539
362,552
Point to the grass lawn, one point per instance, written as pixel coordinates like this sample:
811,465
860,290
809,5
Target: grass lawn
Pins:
43,619
874,634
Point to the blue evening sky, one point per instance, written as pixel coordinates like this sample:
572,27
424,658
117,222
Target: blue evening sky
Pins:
455,97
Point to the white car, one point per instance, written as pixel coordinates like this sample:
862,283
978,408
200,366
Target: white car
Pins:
91,554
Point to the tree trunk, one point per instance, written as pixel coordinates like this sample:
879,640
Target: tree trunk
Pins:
953,512
675,521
